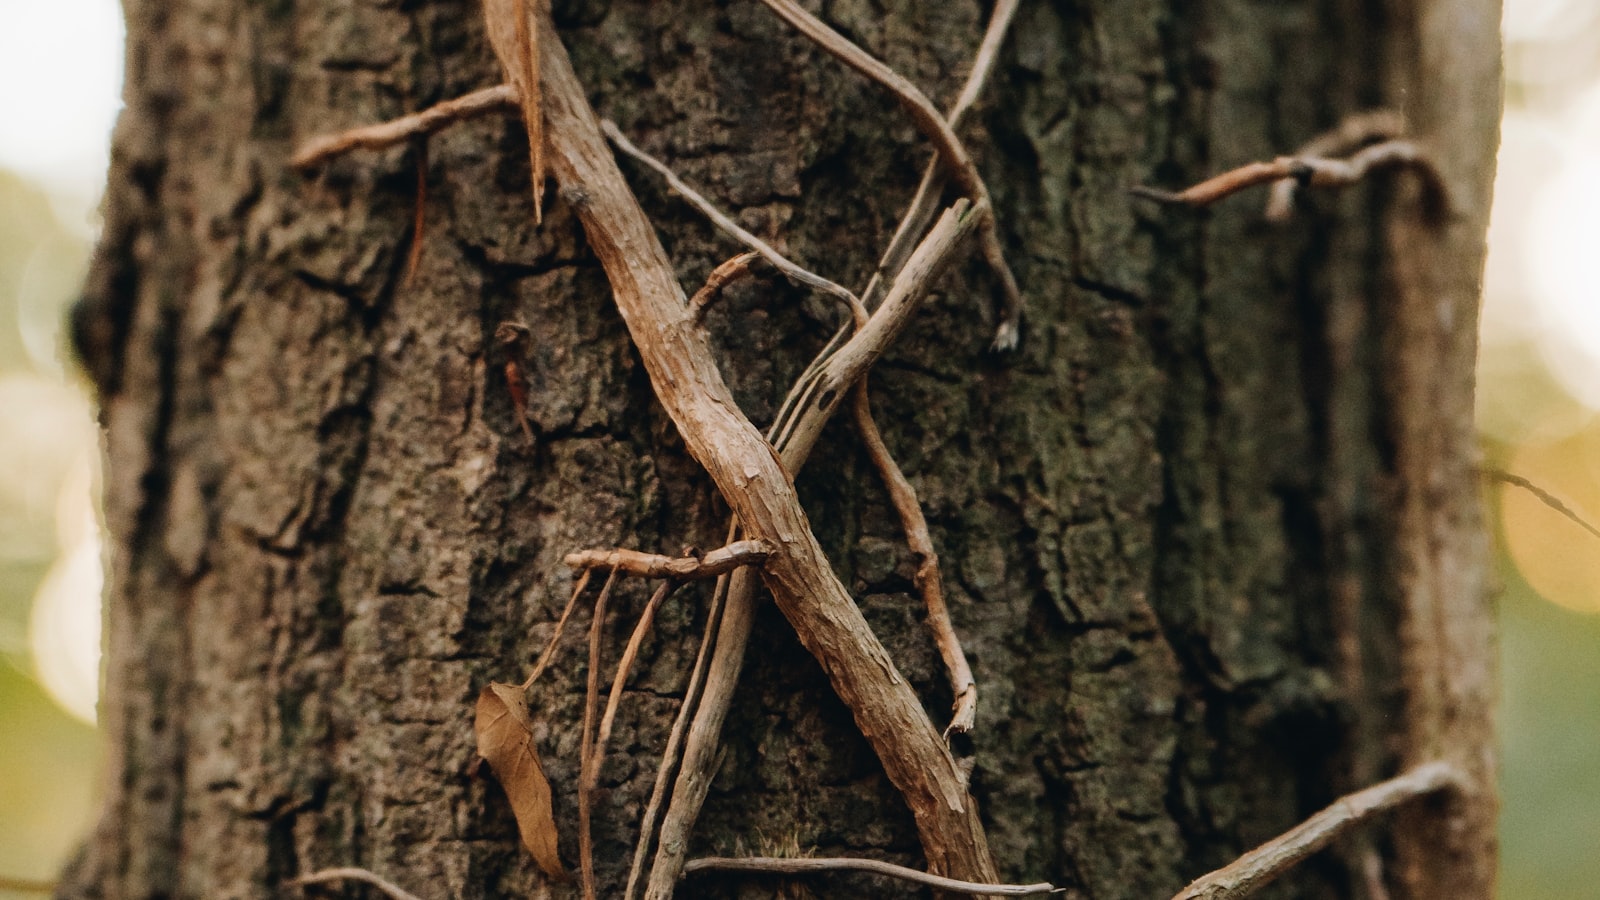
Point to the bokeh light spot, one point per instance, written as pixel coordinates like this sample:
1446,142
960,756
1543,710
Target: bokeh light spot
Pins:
1555,555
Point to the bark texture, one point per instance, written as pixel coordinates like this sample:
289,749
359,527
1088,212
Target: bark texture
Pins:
1195,533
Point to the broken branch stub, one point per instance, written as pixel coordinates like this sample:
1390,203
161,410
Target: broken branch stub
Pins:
516,42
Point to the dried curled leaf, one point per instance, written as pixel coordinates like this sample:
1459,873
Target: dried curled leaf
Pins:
505,741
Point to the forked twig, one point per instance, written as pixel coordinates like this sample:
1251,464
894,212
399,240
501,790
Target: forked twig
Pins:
1255,869
500,98
801,865
928,581
678,568
351,873
591,708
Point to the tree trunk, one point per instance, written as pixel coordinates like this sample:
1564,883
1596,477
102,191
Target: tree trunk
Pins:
1210,536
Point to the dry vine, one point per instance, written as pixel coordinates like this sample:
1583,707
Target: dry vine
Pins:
769,540
351,873
1372,141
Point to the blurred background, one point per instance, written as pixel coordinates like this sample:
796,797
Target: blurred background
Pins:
1539,417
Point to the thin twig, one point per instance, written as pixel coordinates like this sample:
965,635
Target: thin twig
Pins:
591,775
927,579
723,275
28,885
419,215
679,568
994,36
1351,134
680,724
500,98
591,707
935,128
721,219
801,865
561,625
1260,866
350,873
1543,496
1317,172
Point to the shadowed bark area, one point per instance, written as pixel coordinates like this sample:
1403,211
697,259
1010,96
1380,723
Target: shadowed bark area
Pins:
1172,525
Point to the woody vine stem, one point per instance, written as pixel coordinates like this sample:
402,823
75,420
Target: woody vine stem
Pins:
770,542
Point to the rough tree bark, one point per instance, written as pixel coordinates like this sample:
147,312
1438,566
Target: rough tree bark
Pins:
1210,537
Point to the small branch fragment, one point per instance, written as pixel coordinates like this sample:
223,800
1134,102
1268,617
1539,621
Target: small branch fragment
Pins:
591,708
500,98
513,336
1543,496
419,216
720,277
778,865
721,219
928,581
591,775
1260,866
561,625
27,886
1317,172
678,568
327,876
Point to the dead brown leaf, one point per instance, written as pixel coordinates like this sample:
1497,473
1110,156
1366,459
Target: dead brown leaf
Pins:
505,741
515,39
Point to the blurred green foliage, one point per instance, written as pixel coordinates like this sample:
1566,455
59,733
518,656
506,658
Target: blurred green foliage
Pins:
1550,732
48,758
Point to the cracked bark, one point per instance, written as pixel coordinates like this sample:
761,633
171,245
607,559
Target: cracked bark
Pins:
1223,472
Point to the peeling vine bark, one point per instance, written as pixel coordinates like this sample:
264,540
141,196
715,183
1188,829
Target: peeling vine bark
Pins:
1181,529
